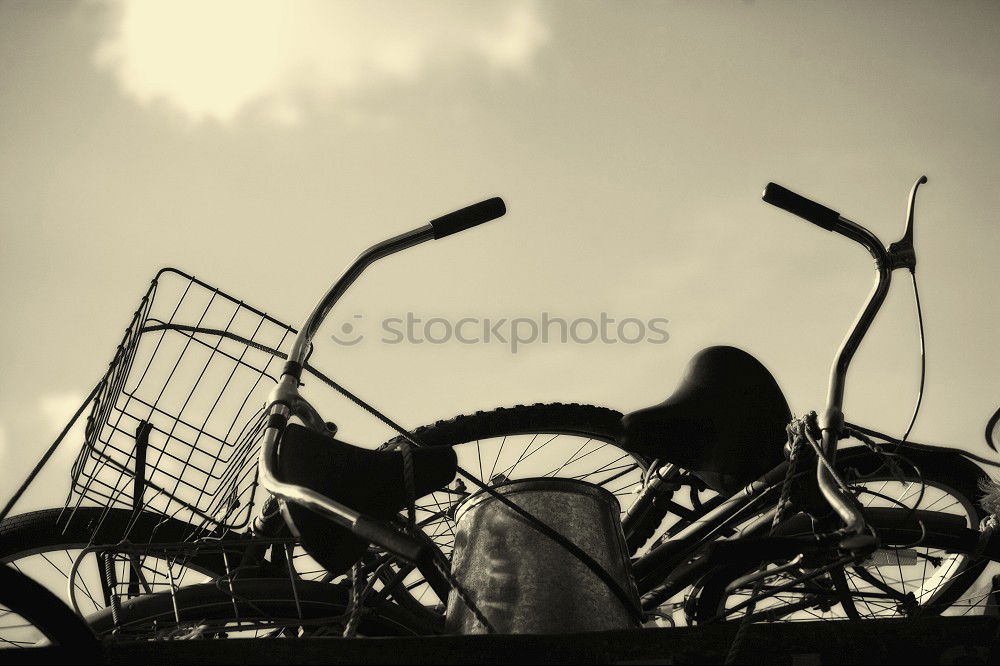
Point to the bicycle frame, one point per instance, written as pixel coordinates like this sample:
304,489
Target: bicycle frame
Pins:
286,402
671,565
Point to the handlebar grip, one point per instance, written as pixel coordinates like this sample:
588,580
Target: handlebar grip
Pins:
468,217
821,216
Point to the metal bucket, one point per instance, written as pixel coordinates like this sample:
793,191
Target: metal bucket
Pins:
526,583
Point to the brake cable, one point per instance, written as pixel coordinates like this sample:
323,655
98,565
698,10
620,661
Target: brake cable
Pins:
923,358
797,430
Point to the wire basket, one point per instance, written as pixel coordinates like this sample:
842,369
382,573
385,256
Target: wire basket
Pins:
176,423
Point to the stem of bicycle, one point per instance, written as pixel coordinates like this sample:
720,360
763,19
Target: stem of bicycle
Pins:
831,422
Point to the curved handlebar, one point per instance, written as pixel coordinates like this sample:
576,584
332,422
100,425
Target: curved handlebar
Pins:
832,420
459,220
286,402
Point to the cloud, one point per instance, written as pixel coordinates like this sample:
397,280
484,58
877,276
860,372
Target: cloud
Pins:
20,451
216,60
58,408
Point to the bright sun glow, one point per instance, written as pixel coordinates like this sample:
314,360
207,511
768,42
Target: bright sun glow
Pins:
218,59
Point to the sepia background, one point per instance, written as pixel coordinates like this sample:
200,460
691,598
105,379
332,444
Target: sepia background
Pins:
262,145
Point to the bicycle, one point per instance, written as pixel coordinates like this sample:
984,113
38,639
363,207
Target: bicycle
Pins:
714,546
689,412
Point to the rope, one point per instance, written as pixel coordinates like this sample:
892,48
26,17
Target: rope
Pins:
214,331
798,432
357,599
409,484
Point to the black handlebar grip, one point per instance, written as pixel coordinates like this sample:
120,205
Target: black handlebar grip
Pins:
468,217
776,195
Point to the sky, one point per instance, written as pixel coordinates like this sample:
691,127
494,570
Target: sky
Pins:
262,145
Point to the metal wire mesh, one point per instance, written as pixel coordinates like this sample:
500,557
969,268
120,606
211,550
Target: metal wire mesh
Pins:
175,427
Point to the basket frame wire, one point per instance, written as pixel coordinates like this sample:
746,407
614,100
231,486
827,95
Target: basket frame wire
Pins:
231,472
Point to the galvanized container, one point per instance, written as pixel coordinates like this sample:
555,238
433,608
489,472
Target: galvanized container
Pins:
526,583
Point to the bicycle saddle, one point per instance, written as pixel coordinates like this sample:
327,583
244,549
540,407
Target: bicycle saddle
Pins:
370,482
725,422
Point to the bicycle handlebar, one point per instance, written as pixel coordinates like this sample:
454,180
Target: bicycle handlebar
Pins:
807,209
898,255
459,220
286,402
468,217
832,420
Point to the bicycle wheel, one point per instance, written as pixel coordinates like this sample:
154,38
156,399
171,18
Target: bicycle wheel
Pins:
32,616
253,607
45,545
926,529
554,440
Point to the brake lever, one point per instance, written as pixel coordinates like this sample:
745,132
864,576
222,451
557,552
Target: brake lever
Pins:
901,253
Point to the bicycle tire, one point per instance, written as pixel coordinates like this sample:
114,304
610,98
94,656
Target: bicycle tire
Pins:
26,598
556,417
51,529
